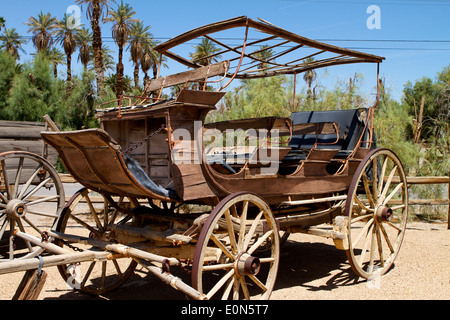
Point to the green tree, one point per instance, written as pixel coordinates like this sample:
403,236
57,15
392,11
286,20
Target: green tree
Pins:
84,42
2,23
203,54
95,11
55,57
140,37
12,42
122,18
150,60
108,61
66,33
264,54
7,73
80,105
34,92
310,76
42,28
256,98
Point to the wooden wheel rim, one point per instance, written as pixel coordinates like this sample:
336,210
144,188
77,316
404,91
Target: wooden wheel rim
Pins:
233,279
379,218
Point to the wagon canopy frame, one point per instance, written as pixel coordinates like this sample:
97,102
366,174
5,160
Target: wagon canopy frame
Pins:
289,51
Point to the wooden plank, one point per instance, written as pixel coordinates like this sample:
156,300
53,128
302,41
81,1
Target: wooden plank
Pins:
423,180
21,130
188,76
31,285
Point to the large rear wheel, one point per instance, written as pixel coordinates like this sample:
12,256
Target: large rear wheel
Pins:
231,259
377,208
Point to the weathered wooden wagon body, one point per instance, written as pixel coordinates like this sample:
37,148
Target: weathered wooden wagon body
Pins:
217,199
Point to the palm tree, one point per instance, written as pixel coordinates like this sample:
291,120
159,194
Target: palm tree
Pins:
264,54
84,41
66,32
11,42
94,12
108,61
140,37
56,57
309,76
42,29
2,23
150,59
204,51
121,18
203,54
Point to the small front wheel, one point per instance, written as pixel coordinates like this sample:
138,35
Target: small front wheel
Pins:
89,214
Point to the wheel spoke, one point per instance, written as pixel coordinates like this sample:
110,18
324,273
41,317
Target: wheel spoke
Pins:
4,226
383,172
363,231
258,282
231,234
362,205
367,190
84,224
221,266
393,226
387,185
365,244
5,178
375,177
220,283
373,245
244,288
3,198
386,237
243,219
380,247
252,230
393,193
18,176
31,224
49,198
222,247
228,288
94,213
28,183
260,241
36,189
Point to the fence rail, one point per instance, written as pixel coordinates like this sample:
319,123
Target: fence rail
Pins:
431,180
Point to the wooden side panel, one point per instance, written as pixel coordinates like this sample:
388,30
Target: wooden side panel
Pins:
188,174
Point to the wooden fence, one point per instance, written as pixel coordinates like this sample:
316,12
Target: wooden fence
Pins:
424,202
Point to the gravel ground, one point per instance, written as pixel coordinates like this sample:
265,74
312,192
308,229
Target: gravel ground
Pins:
310,269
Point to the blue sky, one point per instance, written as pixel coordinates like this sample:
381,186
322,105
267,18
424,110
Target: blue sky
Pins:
414,35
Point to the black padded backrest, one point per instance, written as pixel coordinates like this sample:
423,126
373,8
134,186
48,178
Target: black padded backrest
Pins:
350,128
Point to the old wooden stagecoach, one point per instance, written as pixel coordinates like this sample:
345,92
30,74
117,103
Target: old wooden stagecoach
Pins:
166,189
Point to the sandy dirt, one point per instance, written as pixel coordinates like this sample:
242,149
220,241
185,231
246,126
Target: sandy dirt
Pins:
311,268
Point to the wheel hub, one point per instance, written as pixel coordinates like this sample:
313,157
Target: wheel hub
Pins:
16,209
383,214
247,265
